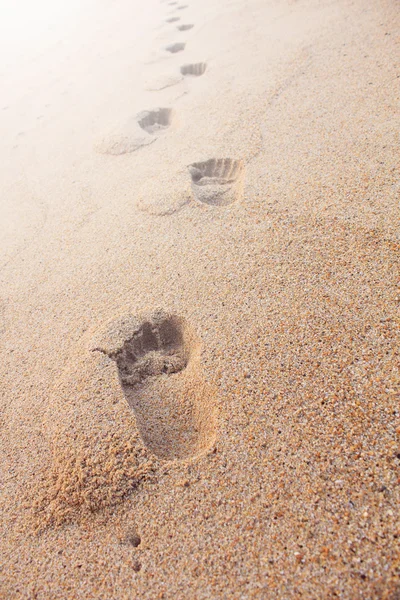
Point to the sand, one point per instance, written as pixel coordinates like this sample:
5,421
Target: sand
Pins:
199,303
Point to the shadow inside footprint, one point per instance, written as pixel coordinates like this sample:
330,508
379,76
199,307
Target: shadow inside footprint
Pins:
155,120
156,348
159,372
185,27
172,20
195,69
174,48
218,181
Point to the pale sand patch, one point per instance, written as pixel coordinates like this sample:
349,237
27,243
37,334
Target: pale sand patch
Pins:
167,192
161,83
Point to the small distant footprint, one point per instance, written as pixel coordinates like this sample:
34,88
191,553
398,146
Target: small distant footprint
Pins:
172,20
158,361
185,27
195,69
174,48
181,7
218,181
155,120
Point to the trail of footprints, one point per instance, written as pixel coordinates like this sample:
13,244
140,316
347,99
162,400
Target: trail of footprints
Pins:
158,356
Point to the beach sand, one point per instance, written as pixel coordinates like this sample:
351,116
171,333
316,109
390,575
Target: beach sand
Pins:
199,303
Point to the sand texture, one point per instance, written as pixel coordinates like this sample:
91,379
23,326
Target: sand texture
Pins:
200,304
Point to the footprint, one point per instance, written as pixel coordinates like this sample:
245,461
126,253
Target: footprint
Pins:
156,120
185,27
158,363
130,137
181,7
174,48
172,20
218,181
195,69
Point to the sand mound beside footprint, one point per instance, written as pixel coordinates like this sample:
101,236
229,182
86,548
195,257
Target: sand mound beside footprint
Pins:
121,143
164,194
158,363
98,458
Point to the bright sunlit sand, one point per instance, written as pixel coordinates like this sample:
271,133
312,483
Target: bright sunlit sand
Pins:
24,23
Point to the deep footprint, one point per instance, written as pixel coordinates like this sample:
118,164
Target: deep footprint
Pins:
218,181
158,361
174,48
156,120
185,27
196,69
